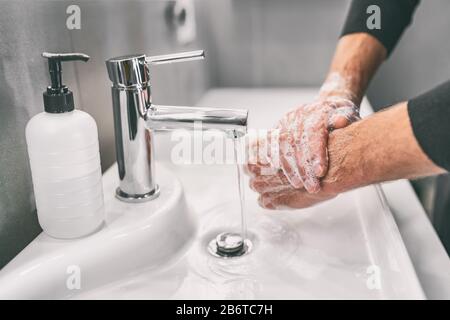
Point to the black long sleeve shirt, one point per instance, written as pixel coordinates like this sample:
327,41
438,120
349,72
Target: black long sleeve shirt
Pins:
429,113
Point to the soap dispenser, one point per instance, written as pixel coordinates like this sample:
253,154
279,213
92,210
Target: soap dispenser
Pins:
64,158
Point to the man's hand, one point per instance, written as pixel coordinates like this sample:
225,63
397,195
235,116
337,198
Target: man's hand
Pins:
277,192
379,148
303,136
303,153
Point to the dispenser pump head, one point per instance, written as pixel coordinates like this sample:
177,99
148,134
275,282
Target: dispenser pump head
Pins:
58,98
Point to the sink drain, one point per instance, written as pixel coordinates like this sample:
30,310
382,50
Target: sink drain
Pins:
228,245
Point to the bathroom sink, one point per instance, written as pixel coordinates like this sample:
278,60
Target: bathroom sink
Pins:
345,248
326,252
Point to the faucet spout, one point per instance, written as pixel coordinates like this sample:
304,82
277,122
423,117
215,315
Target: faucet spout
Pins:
230,121
136,118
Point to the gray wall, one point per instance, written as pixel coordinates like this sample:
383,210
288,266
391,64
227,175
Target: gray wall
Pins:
23,36
109,28
259,43
281,43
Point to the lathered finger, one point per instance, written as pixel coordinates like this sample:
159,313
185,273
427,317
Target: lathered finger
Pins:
273,150
288,161
314,157
290,199
258,170
273,183
342,117
278,200
304,136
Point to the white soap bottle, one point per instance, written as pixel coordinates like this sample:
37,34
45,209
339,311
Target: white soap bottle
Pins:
65,161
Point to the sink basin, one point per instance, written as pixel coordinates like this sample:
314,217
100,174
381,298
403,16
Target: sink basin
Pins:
346,248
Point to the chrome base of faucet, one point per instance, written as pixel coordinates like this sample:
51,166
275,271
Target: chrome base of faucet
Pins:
137,198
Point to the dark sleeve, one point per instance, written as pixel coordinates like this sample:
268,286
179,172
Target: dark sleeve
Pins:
429,114
396,15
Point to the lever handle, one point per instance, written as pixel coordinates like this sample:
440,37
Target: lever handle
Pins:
176,57
66,56
133,70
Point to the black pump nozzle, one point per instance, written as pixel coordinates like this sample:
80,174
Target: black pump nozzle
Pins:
58,98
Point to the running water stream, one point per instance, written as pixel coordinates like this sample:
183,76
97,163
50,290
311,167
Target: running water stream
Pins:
232,244
237,142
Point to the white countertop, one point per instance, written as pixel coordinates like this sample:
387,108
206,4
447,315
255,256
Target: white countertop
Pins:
430,260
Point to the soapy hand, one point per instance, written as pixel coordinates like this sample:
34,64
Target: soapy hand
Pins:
276,193
296,160
357,158
303,148
266,178
274,188
298,145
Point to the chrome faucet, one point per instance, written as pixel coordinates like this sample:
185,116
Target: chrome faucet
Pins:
136,118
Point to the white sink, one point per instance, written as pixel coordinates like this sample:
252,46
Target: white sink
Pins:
157,250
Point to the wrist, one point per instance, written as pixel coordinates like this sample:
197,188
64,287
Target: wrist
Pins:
356,59
339,86
347,163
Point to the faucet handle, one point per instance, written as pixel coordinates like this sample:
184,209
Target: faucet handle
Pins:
176,57
133,70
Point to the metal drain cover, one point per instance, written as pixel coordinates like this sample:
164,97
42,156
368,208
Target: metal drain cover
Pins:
229,245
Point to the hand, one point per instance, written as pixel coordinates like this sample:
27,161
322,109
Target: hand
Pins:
346,170
379,148
304,155
304,159
276,191
303,150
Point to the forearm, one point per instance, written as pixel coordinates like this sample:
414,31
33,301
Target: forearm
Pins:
362,49
304,159
356,59
379,148
303,155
